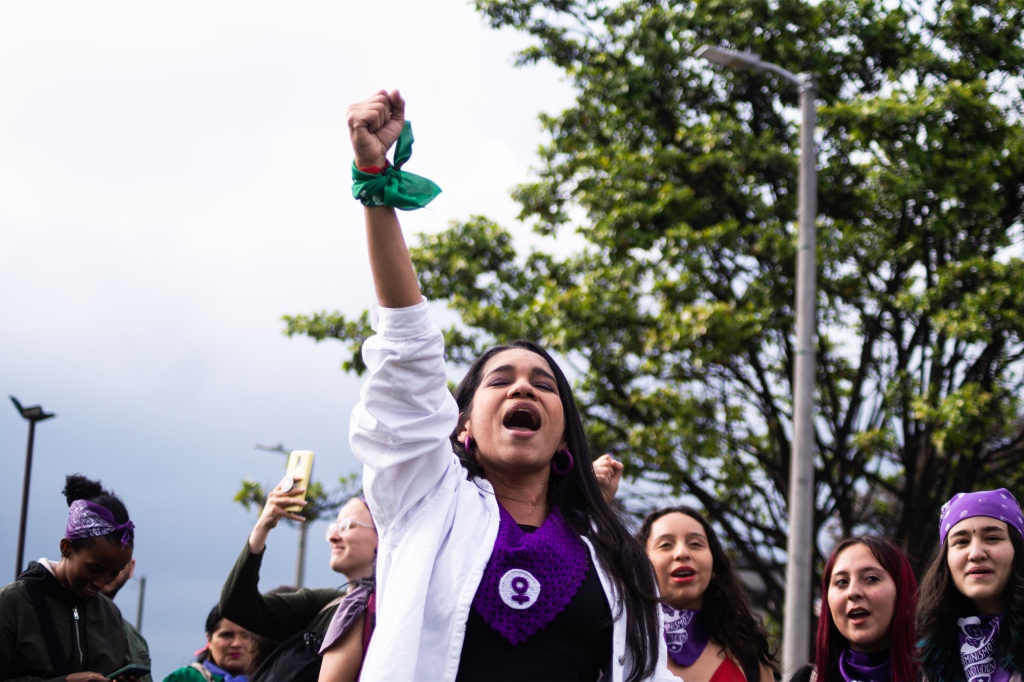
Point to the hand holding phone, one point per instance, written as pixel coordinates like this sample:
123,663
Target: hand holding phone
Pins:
282,499
300,465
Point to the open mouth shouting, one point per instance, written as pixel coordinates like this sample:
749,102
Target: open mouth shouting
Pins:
522,419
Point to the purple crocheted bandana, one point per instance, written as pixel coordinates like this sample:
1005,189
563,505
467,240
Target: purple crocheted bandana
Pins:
997,504
686,634
90,520
530,577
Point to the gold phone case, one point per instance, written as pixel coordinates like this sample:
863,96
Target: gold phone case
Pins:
300,465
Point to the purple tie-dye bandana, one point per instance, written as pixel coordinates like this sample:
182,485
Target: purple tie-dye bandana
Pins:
530,577
90,520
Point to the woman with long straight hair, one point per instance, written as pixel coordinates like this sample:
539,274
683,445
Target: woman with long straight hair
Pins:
499,559
970,616
711,632
866,627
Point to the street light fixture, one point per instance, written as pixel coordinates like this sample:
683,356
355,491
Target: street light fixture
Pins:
33,414
796,622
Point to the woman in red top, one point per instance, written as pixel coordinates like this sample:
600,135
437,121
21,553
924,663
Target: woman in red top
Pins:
711,632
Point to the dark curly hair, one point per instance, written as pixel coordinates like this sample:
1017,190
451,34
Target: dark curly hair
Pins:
78,487
579,498
733,624
940,604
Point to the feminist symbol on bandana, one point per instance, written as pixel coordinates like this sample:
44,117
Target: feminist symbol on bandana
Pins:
519,589
976,645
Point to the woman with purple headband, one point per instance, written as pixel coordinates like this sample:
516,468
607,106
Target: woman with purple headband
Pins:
499,559
970,616
54,621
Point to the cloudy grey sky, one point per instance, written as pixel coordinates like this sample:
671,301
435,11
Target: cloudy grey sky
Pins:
173,179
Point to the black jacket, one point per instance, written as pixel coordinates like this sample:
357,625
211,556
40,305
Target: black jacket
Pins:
89,631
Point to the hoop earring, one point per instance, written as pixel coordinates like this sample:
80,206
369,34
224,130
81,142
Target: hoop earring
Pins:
467,444
562,471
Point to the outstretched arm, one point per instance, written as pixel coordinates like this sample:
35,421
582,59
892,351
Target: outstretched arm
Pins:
400,429
273,511
374,125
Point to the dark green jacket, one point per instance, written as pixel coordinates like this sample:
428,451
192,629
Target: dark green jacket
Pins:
274,616
138,648
193,673
93,642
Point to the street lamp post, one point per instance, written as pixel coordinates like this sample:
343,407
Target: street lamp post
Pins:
142,596
33,414
796,625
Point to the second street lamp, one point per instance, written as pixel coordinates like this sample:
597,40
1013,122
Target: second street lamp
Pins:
796,635
33,414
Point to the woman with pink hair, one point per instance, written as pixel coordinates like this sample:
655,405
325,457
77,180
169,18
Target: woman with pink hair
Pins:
866,628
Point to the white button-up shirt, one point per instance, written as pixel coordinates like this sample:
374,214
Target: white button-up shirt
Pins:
436,527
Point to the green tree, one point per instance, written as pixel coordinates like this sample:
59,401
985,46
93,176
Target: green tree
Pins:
678,313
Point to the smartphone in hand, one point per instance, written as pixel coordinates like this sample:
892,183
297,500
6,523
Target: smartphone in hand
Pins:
300,464
129,671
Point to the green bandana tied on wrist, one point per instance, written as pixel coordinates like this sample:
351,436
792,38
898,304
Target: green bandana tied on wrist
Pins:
395,187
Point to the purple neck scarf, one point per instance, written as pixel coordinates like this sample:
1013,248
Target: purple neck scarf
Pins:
686,634
977,635
857,666
530,577
90,520
224,674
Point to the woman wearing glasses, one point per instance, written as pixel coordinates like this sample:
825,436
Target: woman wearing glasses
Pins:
281,616
353,540
352,625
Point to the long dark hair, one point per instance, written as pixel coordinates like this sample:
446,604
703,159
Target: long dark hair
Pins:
78,487
941,604
579,498
829,643
733,624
